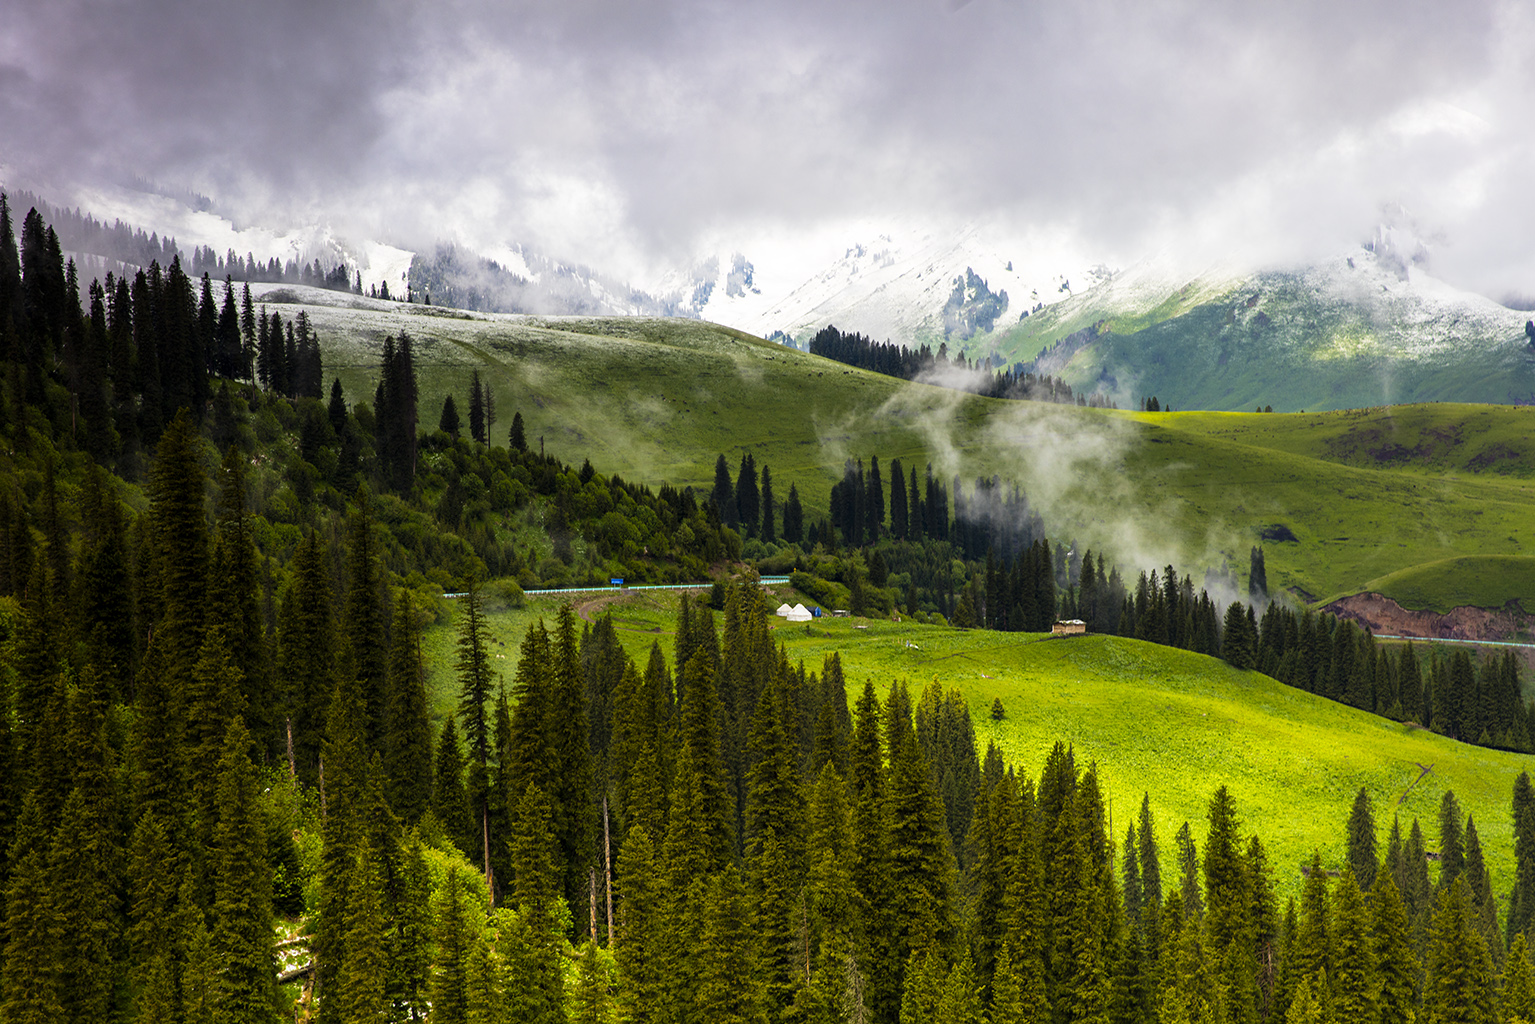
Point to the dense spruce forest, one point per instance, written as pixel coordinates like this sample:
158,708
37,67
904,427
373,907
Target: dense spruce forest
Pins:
908,363
225,798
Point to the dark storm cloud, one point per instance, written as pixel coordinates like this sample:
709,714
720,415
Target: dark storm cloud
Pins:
272,96
627,129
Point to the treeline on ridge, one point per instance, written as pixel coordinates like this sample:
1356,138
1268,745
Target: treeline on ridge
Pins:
910,363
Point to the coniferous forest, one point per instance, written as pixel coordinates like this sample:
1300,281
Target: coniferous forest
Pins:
225,798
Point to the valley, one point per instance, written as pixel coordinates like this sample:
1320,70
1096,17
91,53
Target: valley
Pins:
1365,493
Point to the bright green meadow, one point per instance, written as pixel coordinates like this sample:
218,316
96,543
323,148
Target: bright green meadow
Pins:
1153,719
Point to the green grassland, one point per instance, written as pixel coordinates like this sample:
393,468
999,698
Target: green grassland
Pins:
1153,719
1431,439
1488,581
1367,493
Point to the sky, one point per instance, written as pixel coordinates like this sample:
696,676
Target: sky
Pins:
634,134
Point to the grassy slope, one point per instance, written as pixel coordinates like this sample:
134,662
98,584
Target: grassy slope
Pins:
657,400
1486,581
1152,718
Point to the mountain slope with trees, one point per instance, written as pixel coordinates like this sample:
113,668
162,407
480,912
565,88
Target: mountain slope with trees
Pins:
216,731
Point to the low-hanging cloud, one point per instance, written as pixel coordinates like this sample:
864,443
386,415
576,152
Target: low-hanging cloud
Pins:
619,134
1070,464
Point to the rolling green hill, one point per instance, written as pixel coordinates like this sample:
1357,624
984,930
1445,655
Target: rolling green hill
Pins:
1487,581
1366,493
1153,719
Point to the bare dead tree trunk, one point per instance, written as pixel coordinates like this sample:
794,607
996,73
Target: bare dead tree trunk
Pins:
322,788
591,903
490,880
292,769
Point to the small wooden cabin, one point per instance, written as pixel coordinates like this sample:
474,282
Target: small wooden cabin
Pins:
1068,627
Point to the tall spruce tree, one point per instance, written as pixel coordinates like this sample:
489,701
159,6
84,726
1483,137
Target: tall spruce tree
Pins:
179,534
640,928
242,937
1452,849
1459,982
30,971
365,614
407,731
305,652
233,588
1521,904
748,498
1362,845
572,771
450,799
476,408
473,667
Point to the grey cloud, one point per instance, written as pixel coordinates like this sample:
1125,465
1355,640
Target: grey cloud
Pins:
619,132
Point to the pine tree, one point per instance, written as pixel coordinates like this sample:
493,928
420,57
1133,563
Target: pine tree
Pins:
1518,983
570,795
869,862
30,972
748,498
407,732
709,812
517,438
1452,851
345,792
450,800
1362,848
180,537
85,861
1257,578
476,408
639,941
1354,980
1395,958
592,1001
769,508
793,517
359,985
457,934
921,861
409,937
1521,904
305,643
1458,986
213,697
242,938
1479,884
724,962
473,668
532,854
961,1001
1313,942
775,815
926,977
365,615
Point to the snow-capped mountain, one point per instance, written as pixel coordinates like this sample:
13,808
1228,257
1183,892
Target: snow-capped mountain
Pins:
1369,325
908,285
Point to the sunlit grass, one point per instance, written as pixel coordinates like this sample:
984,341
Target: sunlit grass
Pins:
1153,719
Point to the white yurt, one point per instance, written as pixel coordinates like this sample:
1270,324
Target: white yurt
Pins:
784,611
799,613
